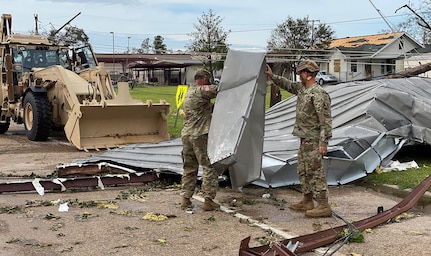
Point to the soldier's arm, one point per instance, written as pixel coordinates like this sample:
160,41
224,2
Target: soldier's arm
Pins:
322,104
209,91
286,84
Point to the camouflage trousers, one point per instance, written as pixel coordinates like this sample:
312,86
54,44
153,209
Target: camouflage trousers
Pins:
310,167
195,154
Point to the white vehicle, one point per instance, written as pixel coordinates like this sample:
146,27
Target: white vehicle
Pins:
323,77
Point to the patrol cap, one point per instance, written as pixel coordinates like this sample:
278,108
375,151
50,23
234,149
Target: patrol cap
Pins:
203,73
309,65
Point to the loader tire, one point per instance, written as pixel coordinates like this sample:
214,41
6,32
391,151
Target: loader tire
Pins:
37,116
4,127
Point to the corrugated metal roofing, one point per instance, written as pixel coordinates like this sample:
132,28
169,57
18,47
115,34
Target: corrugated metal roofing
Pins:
372,121
237,126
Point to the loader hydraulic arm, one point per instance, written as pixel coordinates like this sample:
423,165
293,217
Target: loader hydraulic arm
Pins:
9,79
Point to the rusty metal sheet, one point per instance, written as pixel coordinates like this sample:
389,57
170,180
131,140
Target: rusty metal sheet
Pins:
79,182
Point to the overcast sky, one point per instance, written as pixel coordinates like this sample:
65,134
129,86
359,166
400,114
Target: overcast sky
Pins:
250,21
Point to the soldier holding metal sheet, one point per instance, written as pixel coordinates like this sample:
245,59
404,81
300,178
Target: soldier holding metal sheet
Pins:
197,118
313,126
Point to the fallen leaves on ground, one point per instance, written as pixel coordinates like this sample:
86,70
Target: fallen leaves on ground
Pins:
154,217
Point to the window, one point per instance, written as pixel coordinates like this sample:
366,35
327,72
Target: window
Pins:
354,66
337,66
401,43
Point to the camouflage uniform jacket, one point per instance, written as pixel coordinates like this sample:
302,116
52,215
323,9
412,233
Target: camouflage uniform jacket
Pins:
313,110
198,109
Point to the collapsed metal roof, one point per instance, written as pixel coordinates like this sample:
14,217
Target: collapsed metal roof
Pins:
372,121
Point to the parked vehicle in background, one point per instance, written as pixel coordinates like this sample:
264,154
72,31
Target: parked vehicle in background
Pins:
123,77
323,77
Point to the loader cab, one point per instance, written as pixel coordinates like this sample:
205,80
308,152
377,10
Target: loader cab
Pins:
83,58
29,57
26,57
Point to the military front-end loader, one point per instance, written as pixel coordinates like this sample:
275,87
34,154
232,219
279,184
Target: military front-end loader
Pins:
46,86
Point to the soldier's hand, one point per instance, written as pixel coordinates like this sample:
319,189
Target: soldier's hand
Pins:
323,150
268,71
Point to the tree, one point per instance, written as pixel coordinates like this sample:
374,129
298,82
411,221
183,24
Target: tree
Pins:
300,34
158,45
417,24
209,39
145,47
293,38
72,36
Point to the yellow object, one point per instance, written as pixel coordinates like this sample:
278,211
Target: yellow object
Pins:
108,206
181,94
162,240
154,217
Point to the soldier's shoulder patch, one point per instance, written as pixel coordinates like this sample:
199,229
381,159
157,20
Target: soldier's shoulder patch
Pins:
206,88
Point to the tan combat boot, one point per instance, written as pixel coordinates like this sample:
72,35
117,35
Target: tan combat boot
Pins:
305,204
185,203
210,205
323,209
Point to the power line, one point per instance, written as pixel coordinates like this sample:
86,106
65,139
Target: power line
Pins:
139,37
383,17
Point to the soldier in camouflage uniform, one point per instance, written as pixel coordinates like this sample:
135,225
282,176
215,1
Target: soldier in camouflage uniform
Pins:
197,118
313,126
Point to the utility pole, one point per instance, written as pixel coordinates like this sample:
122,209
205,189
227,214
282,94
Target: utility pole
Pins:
113,50
37,26
383,17
127,59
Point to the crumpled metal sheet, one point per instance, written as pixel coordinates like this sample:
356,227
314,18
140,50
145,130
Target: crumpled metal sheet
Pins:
372,121
164,156
237,126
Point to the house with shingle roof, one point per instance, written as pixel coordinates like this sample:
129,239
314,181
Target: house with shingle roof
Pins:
370,56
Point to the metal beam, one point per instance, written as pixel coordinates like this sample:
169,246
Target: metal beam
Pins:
81,182
325,237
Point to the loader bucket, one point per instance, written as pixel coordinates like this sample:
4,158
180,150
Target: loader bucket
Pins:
117,122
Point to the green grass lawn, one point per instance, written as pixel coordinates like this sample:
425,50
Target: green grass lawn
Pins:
410,178
403,179
157,93
168,93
